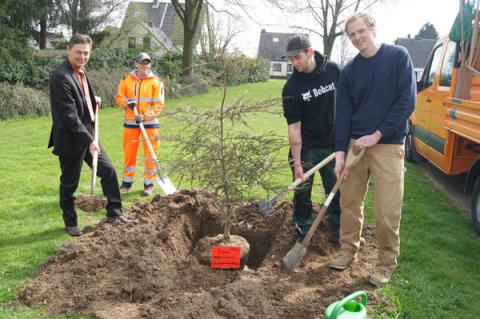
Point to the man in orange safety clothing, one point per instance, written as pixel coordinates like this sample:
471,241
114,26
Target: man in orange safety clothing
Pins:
143,90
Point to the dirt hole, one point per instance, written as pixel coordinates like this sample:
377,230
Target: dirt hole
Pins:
148,270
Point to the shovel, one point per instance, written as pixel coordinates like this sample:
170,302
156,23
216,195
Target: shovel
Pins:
267,206
298,251
165,184
92,203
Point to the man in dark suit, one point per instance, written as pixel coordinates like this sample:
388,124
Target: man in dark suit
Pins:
73,104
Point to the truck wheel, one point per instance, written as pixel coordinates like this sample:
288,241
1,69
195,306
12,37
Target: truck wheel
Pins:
410,152
476,205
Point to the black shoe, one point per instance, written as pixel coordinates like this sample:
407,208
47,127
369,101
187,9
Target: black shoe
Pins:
73,231
121,220
147,190
334,239
126,186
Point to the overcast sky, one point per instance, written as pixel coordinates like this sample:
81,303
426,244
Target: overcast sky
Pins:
395,18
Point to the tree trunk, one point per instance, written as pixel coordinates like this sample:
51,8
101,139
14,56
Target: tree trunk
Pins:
328,42
42,40
189,14
187,52
227,227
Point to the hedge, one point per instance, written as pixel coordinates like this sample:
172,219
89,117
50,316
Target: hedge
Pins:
106,67
106,82
17,100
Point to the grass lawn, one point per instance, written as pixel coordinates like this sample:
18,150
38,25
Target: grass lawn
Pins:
438,275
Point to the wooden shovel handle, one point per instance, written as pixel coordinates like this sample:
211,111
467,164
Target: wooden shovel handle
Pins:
95,154
311,171
352,159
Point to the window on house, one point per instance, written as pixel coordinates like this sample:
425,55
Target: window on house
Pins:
132,43
147,42
150,24
275,39
289,67
276,67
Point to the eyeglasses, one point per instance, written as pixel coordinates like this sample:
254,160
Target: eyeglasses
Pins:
145,62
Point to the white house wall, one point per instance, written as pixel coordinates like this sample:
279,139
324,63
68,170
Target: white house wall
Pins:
282,72
138,32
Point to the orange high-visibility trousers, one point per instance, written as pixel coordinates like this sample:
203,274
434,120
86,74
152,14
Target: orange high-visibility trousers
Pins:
131,138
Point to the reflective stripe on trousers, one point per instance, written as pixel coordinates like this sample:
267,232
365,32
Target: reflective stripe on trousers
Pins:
131,138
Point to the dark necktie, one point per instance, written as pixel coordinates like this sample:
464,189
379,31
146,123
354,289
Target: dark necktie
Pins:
86,92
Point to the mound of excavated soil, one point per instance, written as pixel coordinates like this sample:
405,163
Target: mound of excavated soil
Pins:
149,270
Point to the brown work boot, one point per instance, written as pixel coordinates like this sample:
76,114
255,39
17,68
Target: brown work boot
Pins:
342,261
380,277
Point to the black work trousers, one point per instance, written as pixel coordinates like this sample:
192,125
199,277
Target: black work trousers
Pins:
302,202
71,168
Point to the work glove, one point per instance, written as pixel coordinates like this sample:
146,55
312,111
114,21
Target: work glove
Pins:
139,118
131,105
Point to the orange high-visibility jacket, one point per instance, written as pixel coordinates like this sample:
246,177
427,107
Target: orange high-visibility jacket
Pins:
147,92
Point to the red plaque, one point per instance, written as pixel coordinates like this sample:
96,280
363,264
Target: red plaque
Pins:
225,257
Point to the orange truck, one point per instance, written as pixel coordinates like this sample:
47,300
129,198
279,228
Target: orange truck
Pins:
445,127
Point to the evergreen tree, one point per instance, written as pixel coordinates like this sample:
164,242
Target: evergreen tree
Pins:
427,31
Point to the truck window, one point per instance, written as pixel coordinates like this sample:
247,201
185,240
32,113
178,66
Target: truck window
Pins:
447,68
432,68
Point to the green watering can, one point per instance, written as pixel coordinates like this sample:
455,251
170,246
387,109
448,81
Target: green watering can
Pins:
348,307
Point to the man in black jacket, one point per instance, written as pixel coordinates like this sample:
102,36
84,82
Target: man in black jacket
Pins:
309,107
73,105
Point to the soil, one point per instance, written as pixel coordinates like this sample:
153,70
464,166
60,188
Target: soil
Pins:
91,203
149,270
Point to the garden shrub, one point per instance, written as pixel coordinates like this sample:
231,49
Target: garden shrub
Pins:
15,64
17,100
247,70
169,65
108,65
105,83
241,69
111,59
40,73
193,85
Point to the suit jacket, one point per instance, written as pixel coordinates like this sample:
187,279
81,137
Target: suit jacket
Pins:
72,128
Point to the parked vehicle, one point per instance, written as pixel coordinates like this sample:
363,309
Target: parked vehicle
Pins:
445,127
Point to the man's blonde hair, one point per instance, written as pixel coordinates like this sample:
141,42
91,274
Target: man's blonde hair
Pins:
367,19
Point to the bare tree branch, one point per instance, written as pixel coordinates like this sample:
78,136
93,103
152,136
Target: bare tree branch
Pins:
329,15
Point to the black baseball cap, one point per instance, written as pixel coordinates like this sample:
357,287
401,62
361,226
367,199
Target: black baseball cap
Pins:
297,44
142,56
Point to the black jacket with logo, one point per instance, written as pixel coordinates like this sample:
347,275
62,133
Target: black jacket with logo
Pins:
310,98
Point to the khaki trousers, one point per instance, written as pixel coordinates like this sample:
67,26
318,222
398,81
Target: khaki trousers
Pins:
384,164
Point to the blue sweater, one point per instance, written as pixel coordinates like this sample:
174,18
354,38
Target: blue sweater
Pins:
376,93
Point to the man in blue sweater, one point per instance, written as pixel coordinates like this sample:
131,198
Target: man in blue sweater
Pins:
309,108
376,95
